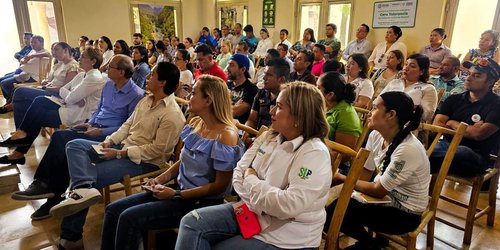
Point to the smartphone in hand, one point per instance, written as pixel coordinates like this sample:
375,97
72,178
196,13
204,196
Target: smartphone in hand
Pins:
247,220
97,148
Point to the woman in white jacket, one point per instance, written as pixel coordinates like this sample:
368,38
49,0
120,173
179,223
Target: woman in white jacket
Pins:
79,98
283,178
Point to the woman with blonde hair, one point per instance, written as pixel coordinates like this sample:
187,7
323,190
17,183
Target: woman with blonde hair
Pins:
283,178
211,149
225,54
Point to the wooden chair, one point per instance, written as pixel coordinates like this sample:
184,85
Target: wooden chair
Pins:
440,96
44,67
473,212
332,235
249,131
409,240
363,117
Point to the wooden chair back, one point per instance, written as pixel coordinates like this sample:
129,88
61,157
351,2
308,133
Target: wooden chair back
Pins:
247,131
440,96
357,165
429,216
44,68
363,117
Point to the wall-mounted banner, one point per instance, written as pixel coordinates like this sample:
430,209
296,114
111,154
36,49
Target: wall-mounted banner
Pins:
399,13
268,13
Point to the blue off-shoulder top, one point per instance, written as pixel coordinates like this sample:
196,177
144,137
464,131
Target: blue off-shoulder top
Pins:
201,157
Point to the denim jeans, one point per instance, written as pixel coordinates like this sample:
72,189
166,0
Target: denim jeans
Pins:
466,162
126,218
41,113
215,227
7,85
23,98
53,168
85,168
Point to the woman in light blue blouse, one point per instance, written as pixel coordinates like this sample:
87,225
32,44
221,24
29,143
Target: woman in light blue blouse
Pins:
211,150
141,66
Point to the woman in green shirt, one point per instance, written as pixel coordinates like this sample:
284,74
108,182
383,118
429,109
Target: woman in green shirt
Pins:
345,126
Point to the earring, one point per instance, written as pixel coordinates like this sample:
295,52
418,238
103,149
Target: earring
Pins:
295,125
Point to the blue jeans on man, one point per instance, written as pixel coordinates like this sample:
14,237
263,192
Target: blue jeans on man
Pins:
7,84
23,98
86,169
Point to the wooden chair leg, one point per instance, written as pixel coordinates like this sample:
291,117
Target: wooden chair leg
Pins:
411,243
430,232
106,195
471,211
127,185
151,239
492,199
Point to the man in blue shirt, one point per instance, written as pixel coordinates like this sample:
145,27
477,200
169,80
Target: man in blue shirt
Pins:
119,97
27,47
206,37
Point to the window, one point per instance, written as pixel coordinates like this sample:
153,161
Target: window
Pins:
309,18
466,34
155,21
340,15
11,45
43,20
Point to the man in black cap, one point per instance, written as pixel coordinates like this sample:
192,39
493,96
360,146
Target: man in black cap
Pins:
479,107
243,91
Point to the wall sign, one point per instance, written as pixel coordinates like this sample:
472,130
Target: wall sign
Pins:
268,13
399,13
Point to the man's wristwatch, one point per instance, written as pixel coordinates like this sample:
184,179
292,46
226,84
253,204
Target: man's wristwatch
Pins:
177,194
118,154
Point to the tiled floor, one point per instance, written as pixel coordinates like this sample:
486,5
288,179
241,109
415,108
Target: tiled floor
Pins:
17,231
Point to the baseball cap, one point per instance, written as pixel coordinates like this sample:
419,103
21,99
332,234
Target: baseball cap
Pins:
486,65
242,60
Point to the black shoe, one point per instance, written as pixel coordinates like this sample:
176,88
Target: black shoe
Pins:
15,143
3,110
363,246
5,160
37,190
44,211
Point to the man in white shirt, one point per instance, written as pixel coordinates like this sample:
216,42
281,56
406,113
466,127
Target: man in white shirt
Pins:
360,44
283,39
237,34
225,35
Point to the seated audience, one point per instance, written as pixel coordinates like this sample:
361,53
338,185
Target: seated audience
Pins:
436,50
403,174
334,66
250,38
331,43
136,40
225,36
188,42
242,48
206,63
394,64
488,47
302,66
357,75
225,54
306,43
276,74
120,47
319,59
414,82
26,47
61,73
78,100
161,50
283,50
283,178
152,53
182,61
448,78
141,66
243,91
210,153
259,75
360,44
478,107
77,51
237,35
264,44
27,72
106,48
118,99
137,147
345,126
174,42
381,51
206,37
216,33
283,40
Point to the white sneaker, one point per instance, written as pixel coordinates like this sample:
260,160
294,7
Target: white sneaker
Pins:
76,201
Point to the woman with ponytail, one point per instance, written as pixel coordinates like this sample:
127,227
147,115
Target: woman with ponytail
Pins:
182,61
403,173
345,126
